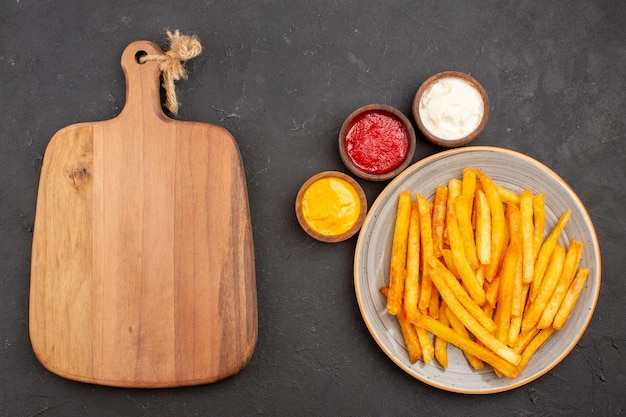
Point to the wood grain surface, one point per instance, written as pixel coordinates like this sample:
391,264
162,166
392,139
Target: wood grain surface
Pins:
142,263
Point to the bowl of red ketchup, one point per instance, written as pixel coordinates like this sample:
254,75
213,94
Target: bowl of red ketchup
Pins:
376,142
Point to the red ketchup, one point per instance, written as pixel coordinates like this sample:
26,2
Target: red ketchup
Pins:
376,142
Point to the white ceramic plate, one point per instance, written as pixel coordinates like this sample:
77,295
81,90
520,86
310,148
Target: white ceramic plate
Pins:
371,265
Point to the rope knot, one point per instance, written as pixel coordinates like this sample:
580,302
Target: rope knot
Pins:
181,48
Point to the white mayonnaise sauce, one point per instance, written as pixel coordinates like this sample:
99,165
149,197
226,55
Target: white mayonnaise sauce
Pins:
451,108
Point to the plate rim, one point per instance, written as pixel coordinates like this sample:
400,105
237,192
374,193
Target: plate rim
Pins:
415,167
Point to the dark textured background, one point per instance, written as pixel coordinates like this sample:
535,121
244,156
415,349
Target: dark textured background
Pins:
281,76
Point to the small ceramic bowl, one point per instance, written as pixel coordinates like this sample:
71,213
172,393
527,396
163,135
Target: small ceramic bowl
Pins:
331,206
451,109
377,142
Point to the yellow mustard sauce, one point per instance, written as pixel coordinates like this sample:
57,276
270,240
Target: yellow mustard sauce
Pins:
331,206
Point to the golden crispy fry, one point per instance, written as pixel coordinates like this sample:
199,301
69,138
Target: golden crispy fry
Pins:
539,217
409,333
454,189
460,261
498,226
569,302
514,225
507,196
572,260
467,345
468,186
438,218
548,284
433,306
411,341
441,277
398,254
483,228
463,210
519,288
458,327
528,233
545,253
506,292
428,349
514,222
441,345
426,236
533,347
411,283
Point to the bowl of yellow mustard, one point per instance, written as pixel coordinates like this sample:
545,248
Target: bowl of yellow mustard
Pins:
331,206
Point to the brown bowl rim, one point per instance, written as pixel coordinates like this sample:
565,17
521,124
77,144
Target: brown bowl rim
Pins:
447,143
331,238
386,109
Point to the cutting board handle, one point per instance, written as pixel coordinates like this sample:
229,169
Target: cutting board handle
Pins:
142,82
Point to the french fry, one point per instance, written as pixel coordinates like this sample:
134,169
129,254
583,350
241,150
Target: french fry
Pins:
428,349
548,284
426,237
463,211
460,261
569,302
455,187
440,344
411,341
483,228
398,254
545,253
539,217
533,347
517,309
440,280
438,218
507,196
458,327
433,306
519,292
514,225
467,345
514,222
506,292
572,260
411,283
528,234
498,226
409,333
468,186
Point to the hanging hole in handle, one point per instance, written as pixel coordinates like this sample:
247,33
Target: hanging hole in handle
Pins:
139,55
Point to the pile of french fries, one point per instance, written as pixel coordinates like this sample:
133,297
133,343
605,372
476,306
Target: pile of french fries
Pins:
474,268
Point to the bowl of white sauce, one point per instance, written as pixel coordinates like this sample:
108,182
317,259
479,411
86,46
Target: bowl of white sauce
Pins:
451,109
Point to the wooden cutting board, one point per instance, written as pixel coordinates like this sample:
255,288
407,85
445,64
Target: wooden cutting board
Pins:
142,260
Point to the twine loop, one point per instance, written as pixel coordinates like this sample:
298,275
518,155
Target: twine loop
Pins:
181,48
